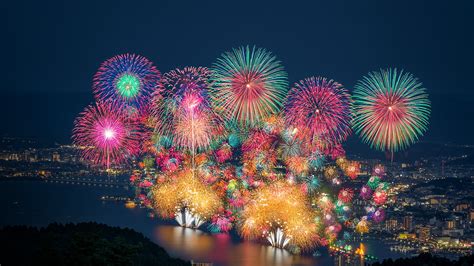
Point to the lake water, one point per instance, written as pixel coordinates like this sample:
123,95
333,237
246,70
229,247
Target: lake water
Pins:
38,204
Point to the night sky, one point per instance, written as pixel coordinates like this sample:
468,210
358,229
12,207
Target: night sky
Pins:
53,48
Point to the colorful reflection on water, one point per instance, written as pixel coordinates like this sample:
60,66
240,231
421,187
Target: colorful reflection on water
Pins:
221,249
63,203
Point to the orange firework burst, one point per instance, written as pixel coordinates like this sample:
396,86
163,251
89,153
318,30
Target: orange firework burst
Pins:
352,169
298,165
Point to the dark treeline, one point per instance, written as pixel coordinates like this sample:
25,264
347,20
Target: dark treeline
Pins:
80,244
427,259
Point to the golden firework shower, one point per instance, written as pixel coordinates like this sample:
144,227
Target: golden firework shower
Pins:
185,193
280,213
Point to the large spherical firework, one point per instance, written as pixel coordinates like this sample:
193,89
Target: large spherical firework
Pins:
128,78
391,109
106,133
322,106
249,84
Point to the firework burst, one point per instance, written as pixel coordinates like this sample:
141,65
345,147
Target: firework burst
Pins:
106,134
249,85
182,110
345,195
128,78
322,106
391,110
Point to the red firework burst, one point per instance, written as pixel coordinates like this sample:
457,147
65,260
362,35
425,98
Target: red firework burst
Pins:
379,197
345,195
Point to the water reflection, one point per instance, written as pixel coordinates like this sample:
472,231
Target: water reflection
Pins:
221,249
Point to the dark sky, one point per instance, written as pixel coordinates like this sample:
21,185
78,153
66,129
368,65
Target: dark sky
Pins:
53,48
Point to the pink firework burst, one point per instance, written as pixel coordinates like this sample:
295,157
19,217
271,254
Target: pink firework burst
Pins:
322,106
365,192
379,170
107,134
379,215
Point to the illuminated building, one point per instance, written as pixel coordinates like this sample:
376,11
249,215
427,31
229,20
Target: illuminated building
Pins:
462,207
56,157
424,233
391,224
406,236
408,223
451,224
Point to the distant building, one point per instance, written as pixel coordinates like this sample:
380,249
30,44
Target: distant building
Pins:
56,157
451,224
456,233
462,207
424,233
408,223
391,224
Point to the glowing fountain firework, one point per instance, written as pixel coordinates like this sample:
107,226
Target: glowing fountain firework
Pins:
128,78
249,84
106,134
186,199
279,213
391,110
322,107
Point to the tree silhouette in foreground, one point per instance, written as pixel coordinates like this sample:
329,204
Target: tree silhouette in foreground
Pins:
80,244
